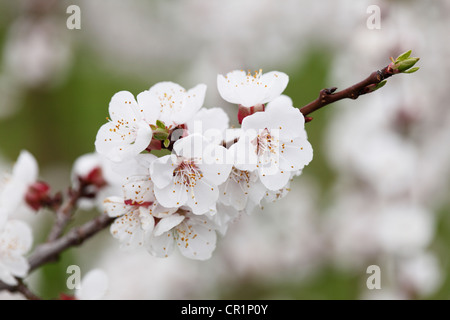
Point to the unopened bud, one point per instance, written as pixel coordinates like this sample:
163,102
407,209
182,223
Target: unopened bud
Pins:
95,177
37,195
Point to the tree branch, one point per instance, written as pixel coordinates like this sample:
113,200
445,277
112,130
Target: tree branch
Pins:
50,251
63,215
328,96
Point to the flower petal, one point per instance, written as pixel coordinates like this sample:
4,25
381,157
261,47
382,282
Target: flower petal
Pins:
160,246
167,224
202,196
127,229
26,168
122,107
275,181
196,239
295,154
173,195
147,220
193,101
161,170
115,206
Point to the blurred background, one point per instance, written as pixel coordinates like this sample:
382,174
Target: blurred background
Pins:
376,193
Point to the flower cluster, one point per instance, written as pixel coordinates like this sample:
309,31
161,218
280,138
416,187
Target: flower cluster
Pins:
210,173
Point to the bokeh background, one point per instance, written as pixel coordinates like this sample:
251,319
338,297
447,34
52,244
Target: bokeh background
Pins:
377,191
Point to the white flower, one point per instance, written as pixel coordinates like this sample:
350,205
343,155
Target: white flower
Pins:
15,241
94,285
133,212
191,175
128,132
274,143
250,90
171,103
24,174
242,190
194,235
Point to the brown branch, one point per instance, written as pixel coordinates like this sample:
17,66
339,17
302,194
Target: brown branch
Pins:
50,251
26,292
330,95
64,215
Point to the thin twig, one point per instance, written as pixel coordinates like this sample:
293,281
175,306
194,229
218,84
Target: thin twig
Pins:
23,289
63,215
327,96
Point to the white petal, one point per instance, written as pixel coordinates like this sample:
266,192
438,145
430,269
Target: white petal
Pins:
17,265
148,106
122,144
191,146
128,230
17,237
280,102
275,181
115,206
93,286
255,195
147,220
13,195
6,276
122,107
172,100
171,196
26,168
160,246
3,217
295,155
276,83
167,224
161,170
226,90
232,194
244,152
211,123
196,240
193,101
216,164
139,190
203,195
159,211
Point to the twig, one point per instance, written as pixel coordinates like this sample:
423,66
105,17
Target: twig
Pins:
64,214
328,96
23,289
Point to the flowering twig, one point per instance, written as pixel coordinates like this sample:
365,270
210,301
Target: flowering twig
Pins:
403,64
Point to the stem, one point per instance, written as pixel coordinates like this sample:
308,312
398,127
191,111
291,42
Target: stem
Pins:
328,96
64,214
23,289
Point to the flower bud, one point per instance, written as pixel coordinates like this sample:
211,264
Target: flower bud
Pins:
37,195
